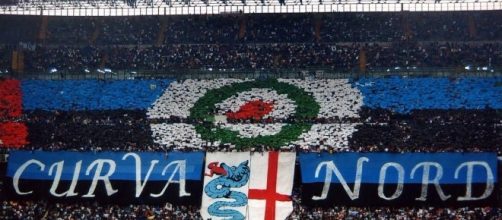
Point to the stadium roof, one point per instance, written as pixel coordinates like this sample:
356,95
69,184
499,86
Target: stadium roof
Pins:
190,7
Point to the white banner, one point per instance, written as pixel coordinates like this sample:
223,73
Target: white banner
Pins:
226,183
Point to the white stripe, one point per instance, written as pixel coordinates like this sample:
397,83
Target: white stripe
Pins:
180,97
181,136
254,130
327,135
178,135
336,97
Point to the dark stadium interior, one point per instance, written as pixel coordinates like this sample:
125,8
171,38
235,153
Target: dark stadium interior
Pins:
396,83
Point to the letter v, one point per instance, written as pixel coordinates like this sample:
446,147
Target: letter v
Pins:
139,184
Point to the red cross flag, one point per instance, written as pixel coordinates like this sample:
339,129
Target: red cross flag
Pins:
270,185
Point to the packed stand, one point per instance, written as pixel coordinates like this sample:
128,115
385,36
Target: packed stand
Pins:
486,28
264,28
128,30
206,57
434,55
46,60
97,130
270,28
338,57
361,27
238,56
301,212
201,29
48,210
453,27
71,30
387,41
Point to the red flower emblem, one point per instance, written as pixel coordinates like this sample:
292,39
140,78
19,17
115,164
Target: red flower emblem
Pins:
255,109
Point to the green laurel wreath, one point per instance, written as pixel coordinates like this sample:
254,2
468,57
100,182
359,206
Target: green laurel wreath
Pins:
203,110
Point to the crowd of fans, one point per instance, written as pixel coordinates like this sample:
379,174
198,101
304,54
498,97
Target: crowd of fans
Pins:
31,210
71,30
10,210
340,57
264,28
434,55
136,30
335,41
300,28
331,41
93,131
64,58
201,29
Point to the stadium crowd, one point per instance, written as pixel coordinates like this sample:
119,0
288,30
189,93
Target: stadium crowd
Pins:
267,28
340,57
118,31
10,210
239,42
71,30
330,41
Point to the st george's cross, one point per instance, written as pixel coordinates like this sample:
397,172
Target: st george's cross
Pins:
270,186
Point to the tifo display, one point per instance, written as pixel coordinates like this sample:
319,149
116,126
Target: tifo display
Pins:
254,148
259,116
370,114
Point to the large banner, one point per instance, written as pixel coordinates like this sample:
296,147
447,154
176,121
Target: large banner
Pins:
106,176
432,179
